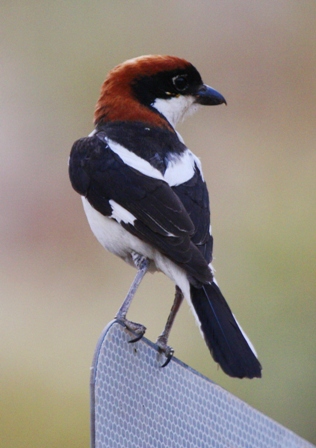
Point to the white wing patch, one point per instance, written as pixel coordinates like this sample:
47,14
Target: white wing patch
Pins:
120,213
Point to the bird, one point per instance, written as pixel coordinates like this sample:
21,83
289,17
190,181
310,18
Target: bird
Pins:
146,199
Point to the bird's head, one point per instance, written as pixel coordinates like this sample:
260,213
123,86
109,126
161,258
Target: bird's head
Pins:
155,89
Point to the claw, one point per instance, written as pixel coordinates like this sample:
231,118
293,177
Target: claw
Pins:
137,329
169,357
165,349
137,338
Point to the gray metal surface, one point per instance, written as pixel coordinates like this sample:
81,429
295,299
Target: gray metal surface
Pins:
137,404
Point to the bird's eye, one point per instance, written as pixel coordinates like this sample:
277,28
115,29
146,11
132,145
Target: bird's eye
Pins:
180,82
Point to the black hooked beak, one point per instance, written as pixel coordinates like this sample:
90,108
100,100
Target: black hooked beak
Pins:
207,96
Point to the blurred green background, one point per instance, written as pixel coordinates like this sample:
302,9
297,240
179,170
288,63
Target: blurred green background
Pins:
59,287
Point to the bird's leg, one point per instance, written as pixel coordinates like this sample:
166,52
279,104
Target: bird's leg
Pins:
163,338
141,264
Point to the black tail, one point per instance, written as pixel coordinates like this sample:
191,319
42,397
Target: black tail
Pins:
222,334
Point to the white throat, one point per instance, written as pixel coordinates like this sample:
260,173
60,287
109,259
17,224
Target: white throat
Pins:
175,109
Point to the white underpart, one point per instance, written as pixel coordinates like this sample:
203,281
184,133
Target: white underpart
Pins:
176,108
113,237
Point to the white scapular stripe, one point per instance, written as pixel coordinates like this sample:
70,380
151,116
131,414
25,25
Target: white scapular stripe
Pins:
120,213
133,160
181,168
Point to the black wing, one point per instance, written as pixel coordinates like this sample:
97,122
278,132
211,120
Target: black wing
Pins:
100,175
194,196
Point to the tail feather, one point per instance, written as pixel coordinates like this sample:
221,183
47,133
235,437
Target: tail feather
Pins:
225,339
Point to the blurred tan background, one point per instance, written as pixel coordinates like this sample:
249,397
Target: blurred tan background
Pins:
59,287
